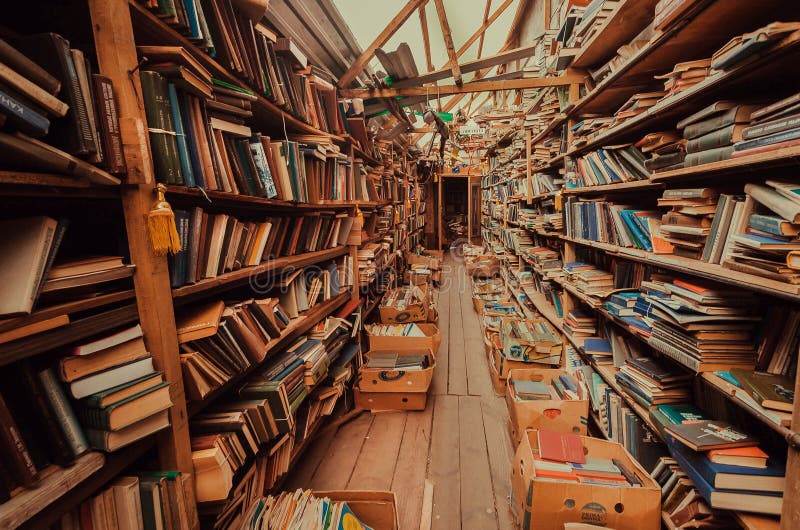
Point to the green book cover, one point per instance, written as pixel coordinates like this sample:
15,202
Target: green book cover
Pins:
100,418
680,413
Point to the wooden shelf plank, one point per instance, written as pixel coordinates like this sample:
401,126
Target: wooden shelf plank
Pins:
242,276
788,156
543,305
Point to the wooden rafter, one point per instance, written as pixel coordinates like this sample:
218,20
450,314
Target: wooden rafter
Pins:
486,23
379,41
483,34
448,41
449,90
423,21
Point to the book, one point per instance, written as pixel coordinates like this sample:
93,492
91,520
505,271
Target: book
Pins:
108,341
739,456
561,447
772,391
127,411
28,68
110,441
708,434
111,377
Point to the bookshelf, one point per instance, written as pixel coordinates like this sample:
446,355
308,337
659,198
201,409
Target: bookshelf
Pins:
702,29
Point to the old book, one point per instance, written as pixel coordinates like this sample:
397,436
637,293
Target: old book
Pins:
771,127
114,440
708,156
177,55
31,91
719,138
561,447
739,114
108,121
27,68
111,378
163,141
24,247
108,341
775,201
771,391
20,116
121,392
127,503
15,453
78,366
709,434
128,411
740,456
67,422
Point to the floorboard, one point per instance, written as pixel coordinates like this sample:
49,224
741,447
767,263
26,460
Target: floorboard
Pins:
412,466
501,454
457,368
477,497
479,382
444,470
334,471
440,375
374,468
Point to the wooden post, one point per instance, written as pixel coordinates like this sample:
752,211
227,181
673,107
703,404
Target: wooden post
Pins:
529,177
116,55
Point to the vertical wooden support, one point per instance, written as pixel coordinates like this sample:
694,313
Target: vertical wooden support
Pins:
440,214
528,175
354,289
469,209
116,55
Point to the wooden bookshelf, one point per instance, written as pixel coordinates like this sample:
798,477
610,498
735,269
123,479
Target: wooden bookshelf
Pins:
543,306
617,187
788,158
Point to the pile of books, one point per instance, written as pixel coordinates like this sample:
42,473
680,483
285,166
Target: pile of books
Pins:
589,279
404,297
50,93
742,47
623,55
651,383
688,224
150,499
588,128
546,262
726,466
579,324
592,18
561,387
609,222
216,243
685,75
637,104
299,509
607,166
704,328
397,361
371,256
769,245
775,126
666,149
543,183
396,330
711,133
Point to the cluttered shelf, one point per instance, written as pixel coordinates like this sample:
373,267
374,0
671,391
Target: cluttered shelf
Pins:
699,268
555,123
293,330
11,180
64,488
240,201
621,187
708,25
542,305
150,29
785,157
238,277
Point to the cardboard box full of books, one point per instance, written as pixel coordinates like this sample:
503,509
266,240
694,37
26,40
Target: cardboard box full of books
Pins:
547,503
376,509
402,337
409,370
433,263
545,399
418,276
409,303
503,365
382,401
531,340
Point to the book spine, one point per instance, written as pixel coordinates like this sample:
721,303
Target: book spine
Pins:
180,137
68,422
674,353
767,223
23,117
58,448
76,101
784,136
106,104
764,129
15,454
712,140
713,235
162,138
704,127
709,156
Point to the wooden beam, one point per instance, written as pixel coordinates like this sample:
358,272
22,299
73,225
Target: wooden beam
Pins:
482,64
448,41
486,23
483,34
379,41
468,88
423,21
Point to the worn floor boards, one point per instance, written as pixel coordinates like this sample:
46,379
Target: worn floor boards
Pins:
460,442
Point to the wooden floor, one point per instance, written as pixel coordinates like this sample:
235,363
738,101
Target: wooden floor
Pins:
460,442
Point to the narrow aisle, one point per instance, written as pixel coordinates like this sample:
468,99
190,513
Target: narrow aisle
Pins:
460,442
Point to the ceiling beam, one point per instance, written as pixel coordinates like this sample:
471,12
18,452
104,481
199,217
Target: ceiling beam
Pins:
423,21
483,34
379,41
486,23
468,88
485,63
448,41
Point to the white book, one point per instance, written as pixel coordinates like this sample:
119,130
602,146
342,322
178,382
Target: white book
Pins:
110,378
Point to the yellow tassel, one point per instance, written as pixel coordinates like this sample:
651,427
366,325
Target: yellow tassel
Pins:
161,225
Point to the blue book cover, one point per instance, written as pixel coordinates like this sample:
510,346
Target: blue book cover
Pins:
191,16
604,159
184,104
22,116
183,150
597,345
729,377
637,323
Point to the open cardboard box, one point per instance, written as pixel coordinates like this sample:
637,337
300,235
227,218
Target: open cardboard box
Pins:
569,416
417,312
432,340
383,401
504,365
379,380
376,509
547,505
518,349
433,263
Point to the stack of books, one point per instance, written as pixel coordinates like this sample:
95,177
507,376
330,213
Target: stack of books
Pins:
149,499
397,361
666,149
684,76
652,383
711,133
769,245
704,328
689,222
299,509
775,126
637,104
589,279
750,480
562,387
579,324
592,19
609,165
370,257
608,222
396,330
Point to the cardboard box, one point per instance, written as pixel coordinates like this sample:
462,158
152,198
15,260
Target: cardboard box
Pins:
548,505
378,380
417,312
570,416
418,277
382,401
433,263
505,365
516,348
499,383
431,341
376,509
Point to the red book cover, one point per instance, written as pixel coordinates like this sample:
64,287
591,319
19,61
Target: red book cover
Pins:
561,447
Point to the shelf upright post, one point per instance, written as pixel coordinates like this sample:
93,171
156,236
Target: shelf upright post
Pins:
116,55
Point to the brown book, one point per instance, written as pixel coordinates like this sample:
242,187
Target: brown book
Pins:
32,91
15,454
108,120
199,322
298,228
679,219
78,366
27,68
177,55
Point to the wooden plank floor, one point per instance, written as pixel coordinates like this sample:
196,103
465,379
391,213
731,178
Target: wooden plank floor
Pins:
460,442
